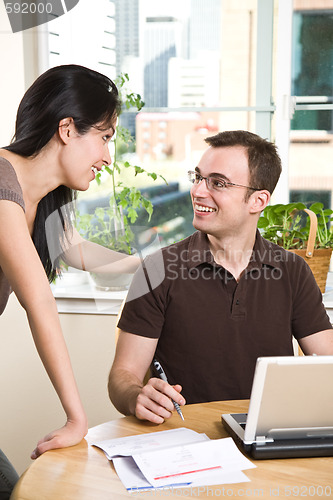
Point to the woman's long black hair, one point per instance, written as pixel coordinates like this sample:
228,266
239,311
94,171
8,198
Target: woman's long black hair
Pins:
88,97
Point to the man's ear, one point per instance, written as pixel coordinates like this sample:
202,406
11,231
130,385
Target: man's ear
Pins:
259,200
67,130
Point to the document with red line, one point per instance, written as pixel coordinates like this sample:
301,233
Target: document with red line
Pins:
192,463
174,459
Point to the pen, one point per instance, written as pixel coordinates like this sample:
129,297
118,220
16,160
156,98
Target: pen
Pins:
162,375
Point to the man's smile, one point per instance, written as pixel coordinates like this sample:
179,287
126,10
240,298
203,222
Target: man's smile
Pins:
203,208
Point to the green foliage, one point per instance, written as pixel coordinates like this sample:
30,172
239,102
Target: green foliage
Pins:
283,225
107,228
110,227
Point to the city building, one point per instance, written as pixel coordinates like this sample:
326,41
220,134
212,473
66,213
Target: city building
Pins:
194,82
127,31
162,40
178,135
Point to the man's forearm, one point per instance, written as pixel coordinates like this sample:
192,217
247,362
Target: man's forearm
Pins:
124,389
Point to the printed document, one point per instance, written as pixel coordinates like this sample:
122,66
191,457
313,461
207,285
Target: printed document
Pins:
175,458
127,446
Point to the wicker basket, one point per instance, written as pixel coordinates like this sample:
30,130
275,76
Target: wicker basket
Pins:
318,259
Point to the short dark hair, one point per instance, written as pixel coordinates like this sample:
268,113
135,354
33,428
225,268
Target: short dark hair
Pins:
83,94
263,159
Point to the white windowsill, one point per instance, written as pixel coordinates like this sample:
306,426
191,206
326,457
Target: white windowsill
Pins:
77,294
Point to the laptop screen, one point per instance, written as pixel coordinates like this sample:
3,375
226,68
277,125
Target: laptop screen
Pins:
291,397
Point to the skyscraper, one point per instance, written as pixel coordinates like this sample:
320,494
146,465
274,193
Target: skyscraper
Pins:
204,27
162,40
127,48
127,31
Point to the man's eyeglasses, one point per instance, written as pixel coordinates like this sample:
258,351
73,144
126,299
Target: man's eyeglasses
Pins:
214,183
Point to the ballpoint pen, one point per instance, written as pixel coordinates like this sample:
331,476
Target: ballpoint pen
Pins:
160,371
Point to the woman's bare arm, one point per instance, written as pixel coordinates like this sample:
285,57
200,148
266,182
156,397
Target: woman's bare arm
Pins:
22,267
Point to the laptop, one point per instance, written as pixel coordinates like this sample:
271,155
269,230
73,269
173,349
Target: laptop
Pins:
291,409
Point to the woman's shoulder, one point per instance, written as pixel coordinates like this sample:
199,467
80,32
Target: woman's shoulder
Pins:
7,172
10,188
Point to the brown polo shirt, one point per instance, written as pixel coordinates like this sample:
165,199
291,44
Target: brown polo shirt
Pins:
212,329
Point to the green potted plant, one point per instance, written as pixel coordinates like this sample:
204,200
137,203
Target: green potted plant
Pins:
284,225
111,226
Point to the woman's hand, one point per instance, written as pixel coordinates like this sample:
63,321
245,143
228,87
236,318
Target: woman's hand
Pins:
68,435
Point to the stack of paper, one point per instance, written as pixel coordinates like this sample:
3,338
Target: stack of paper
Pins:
175,458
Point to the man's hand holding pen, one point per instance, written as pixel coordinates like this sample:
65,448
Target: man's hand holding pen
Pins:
155,400
162,375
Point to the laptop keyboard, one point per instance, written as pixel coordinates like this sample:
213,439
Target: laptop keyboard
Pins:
240,418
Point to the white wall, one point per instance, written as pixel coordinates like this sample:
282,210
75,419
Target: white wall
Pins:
12,76
29,405
19,67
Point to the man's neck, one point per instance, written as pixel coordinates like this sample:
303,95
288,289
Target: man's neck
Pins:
233,253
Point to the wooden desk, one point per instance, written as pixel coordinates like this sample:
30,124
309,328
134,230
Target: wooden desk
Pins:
83,472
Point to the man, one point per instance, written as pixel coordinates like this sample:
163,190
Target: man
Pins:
223,296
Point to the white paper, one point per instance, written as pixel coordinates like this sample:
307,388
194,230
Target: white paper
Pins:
127,446
191,462
175,458
134,481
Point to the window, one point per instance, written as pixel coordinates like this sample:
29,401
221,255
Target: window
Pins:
201,70
311,139
312,68
311,196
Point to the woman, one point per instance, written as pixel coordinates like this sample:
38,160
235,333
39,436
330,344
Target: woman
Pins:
63,127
